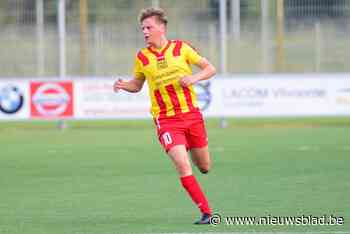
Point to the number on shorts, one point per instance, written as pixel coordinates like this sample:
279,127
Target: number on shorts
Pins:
167,138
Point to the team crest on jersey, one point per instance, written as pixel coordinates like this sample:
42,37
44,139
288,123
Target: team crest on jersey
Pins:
161,63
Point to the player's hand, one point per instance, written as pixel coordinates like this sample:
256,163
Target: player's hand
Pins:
187,81
118,85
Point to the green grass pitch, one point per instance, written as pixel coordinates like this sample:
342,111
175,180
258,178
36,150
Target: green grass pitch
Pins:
112,176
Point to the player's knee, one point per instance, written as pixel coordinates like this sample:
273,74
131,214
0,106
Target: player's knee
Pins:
184,170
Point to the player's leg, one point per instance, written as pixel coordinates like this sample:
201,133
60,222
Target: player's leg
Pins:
173,138
198,143
179,157
201,158
181,161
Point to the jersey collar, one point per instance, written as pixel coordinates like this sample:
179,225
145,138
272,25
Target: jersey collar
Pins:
160,56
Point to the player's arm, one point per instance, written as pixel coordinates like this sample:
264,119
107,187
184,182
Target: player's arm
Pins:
207,70
133,86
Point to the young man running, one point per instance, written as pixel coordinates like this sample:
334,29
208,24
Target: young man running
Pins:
166,66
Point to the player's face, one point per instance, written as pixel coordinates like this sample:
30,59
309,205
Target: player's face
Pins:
152,31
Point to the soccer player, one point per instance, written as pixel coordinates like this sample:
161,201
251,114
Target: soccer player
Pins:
166,66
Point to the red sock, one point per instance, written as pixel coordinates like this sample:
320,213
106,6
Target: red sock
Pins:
194,190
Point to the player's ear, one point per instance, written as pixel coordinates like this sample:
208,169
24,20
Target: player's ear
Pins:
162,27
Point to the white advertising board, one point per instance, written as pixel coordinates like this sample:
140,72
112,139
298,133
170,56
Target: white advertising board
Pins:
95,99
279,96
14,99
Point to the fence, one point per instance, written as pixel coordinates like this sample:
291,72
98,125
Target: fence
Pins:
261,36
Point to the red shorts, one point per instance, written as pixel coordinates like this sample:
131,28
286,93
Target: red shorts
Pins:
186,129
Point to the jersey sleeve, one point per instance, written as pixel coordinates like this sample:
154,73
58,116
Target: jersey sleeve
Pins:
192,55
138,71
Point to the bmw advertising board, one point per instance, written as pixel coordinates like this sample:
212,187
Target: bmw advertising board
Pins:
14,100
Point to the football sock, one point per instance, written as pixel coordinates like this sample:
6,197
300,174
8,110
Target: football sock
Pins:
194,190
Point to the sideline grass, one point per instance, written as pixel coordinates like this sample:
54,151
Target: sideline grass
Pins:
210,122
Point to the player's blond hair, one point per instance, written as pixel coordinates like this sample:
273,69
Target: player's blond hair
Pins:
152,11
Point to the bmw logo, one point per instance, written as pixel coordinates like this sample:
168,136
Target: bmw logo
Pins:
203,94
11,99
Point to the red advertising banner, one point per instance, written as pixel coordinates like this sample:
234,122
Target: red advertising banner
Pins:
51,99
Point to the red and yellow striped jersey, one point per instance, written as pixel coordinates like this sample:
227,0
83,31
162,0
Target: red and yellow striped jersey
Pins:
162,70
